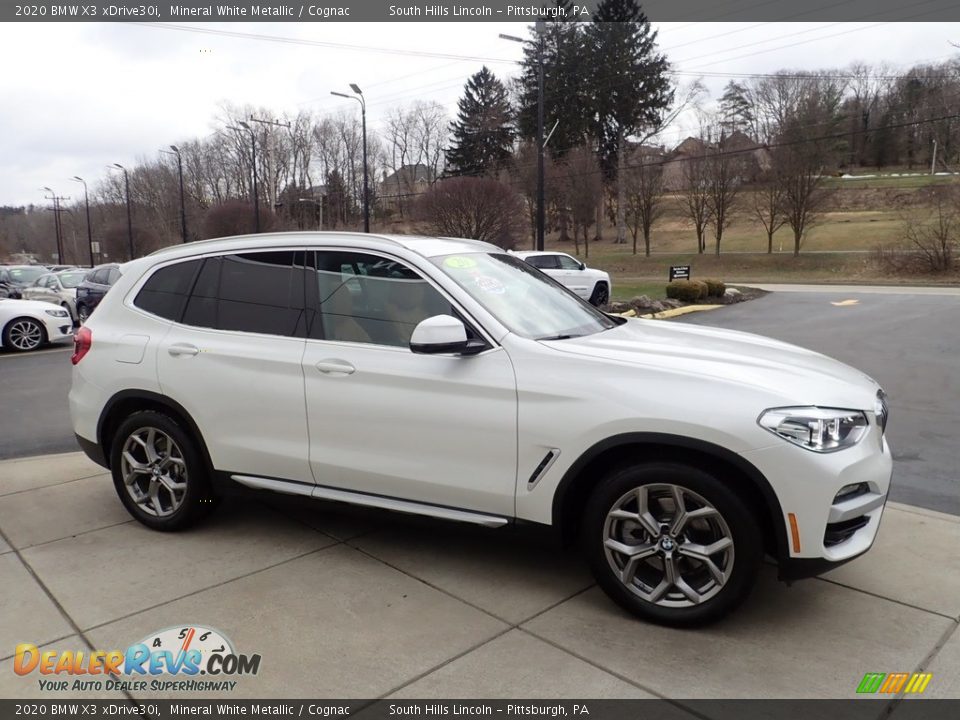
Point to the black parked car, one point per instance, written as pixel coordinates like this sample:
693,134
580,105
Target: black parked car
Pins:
13,278
94,286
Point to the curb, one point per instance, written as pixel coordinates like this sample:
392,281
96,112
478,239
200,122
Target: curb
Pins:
672,312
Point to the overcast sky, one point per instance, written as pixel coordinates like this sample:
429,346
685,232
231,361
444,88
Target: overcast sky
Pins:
75,98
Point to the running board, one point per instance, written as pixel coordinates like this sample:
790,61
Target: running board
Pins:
378,501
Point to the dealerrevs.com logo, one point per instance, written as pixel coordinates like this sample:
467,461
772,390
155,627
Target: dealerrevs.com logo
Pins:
184,658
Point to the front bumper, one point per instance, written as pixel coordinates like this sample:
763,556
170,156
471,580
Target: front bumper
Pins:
824,529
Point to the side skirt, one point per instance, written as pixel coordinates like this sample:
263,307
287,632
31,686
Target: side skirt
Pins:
322,492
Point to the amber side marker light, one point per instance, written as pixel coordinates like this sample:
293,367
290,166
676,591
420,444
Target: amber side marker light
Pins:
794,532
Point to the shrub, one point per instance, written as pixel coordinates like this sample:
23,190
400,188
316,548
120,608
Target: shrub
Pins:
687,290
473,207
715,288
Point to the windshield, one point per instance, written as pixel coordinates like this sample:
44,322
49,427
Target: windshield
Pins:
71,279
26,274
523,298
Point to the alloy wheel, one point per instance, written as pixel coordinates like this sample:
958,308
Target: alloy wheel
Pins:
83,314
25,334
154,471
668,545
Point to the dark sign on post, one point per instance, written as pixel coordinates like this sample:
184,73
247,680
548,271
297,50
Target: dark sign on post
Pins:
679,272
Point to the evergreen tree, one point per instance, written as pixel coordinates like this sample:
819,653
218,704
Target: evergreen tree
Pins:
736,112
566,95
629,84
482,137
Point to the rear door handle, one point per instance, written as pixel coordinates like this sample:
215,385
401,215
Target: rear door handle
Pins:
183,349
335,367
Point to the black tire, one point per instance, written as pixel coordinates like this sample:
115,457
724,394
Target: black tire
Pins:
600,295
193,504
738,565
24,334
83,313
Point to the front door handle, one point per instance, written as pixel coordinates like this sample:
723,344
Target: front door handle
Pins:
335,367
183,349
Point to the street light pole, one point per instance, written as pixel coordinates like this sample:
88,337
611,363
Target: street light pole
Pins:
86,202
126,182
541,201
358,96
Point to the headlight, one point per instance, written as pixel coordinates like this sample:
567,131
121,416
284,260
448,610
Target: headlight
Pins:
56,313
818,429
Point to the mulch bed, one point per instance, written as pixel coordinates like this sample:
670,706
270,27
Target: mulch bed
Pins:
644,305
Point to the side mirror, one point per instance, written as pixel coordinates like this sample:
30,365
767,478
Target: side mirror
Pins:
442,335
583,266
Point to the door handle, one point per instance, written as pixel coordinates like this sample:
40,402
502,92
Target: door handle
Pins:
183,349
335,367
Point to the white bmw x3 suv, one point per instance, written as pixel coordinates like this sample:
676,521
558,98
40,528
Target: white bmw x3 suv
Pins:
448,378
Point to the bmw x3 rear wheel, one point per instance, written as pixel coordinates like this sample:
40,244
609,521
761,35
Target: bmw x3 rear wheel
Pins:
672,544
158,472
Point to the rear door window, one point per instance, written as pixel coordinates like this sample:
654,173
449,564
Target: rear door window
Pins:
544,262
259,292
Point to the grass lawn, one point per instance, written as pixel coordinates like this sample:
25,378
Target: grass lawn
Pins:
629,289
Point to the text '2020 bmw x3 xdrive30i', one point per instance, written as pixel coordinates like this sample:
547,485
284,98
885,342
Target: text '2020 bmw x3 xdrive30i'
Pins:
448,378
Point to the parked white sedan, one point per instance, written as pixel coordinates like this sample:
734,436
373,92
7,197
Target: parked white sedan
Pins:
589,283
58,288
28,324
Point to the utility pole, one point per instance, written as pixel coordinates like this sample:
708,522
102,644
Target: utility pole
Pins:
253,168
126,182
86,202
56,221
174,150
933,160
539,29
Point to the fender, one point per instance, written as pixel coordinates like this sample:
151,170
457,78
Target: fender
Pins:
703,448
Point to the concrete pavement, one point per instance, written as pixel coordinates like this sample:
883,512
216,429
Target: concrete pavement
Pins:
346,603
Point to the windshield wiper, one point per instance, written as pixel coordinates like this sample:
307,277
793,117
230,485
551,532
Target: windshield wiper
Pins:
557,337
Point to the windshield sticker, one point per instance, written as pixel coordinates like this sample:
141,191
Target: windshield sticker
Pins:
490,285
458,262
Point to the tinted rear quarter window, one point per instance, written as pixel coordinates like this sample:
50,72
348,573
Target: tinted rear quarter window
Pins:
165,292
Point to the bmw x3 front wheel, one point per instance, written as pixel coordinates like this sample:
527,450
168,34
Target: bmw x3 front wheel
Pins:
671,543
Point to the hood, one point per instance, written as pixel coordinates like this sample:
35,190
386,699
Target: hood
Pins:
796,375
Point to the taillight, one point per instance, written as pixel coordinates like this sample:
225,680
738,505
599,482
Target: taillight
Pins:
81,344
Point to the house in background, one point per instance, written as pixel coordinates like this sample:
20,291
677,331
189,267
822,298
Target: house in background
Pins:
399,189
756,158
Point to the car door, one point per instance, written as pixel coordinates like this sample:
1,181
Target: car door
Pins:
36,290
574,276
233,359
434,429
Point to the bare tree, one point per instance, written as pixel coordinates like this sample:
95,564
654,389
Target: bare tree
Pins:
584,192
934,241
724,172
472,207
644,200
695,195
767,206
801,173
